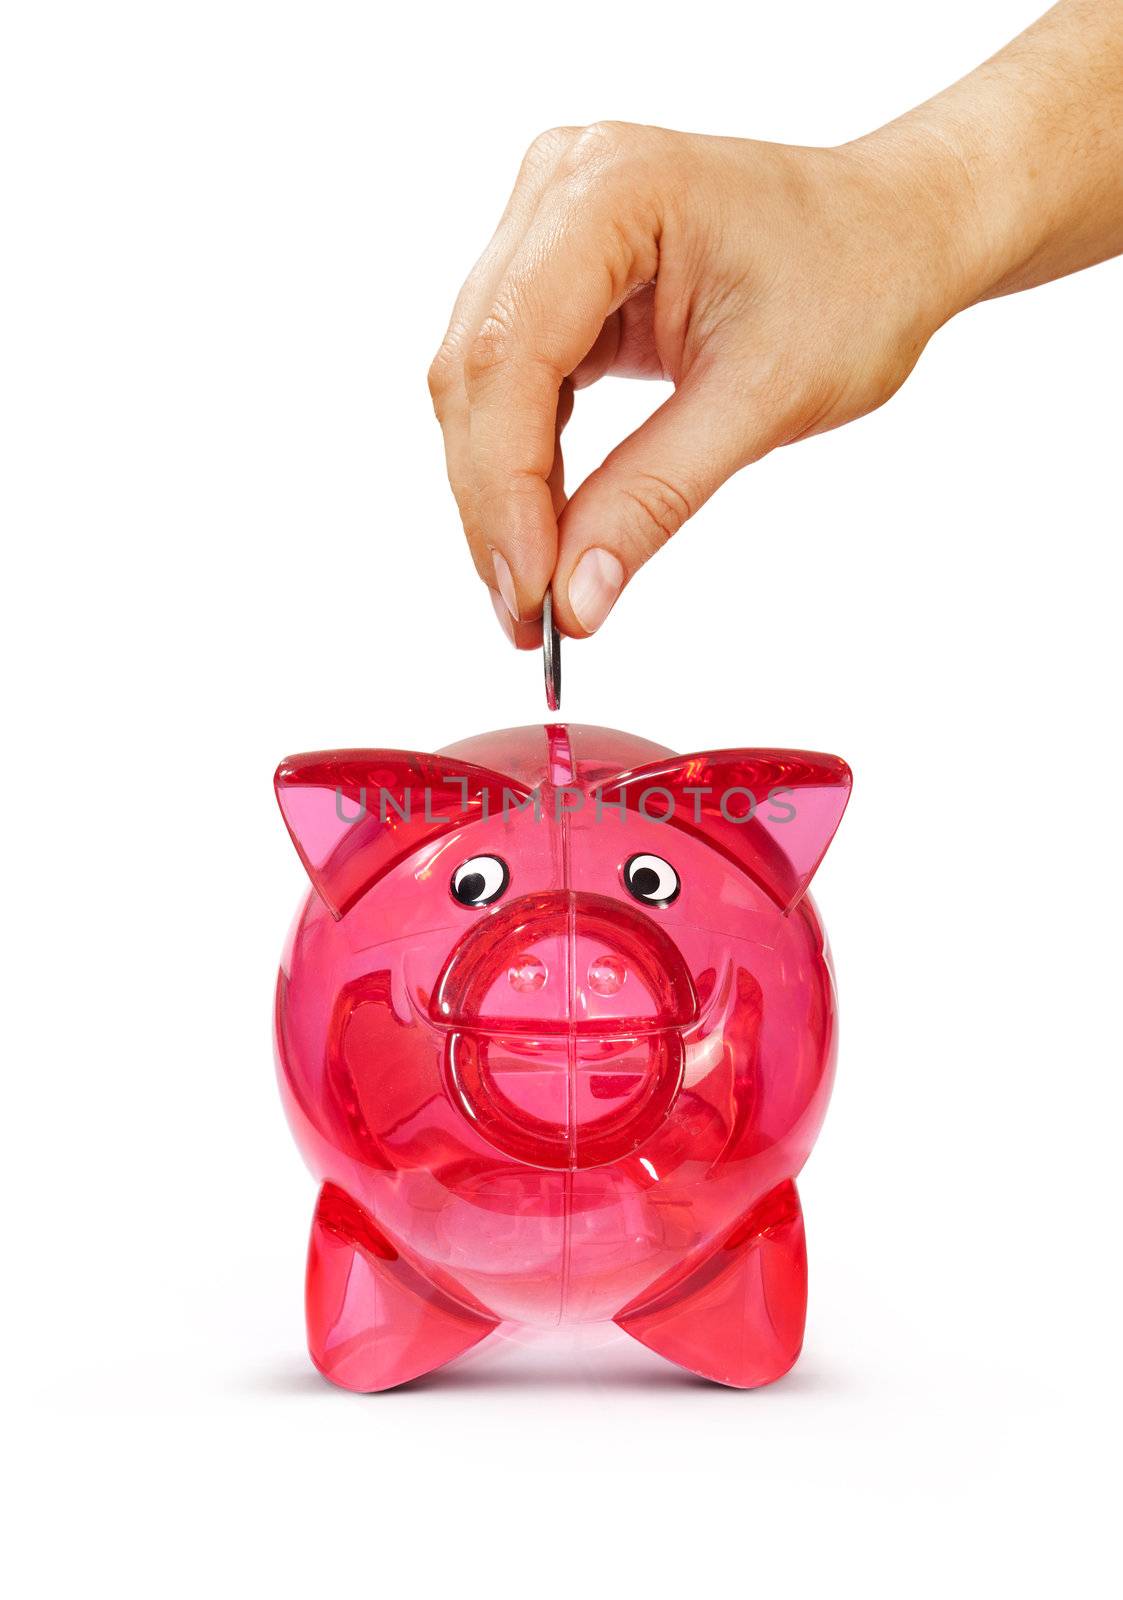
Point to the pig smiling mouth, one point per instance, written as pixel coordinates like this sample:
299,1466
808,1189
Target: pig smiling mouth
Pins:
564,1102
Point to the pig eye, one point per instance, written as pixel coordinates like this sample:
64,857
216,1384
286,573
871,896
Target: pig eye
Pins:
479,880
651,880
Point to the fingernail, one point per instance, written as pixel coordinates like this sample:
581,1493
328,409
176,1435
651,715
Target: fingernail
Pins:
506,583
597,579
503,615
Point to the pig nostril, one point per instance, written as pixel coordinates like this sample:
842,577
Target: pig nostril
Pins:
526,974
606,975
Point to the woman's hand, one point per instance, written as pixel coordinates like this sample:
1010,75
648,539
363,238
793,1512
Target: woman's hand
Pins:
782,291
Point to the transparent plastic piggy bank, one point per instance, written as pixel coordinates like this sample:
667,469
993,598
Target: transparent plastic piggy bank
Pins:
556,1031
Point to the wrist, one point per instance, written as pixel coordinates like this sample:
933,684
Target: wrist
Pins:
956,234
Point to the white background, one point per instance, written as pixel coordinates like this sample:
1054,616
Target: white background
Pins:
233,234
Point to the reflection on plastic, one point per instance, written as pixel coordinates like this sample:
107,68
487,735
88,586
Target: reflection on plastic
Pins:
556,1031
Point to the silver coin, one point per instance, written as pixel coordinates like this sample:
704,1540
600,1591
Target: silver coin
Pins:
551,654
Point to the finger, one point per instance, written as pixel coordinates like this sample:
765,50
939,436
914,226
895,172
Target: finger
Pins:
626,347
601,359
446,374
576,265
556,481
453,418
647,488
523,635
455,433
528,635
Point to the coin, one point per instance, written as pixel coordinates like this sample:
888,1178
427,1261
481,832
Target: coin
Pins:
551,654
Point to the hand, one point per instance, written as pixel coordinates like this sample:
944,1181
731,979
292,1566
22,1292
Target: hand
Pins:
782,290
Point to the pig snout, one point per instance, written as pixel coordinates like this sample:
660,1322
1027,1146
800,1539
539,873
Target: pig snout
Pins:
565,961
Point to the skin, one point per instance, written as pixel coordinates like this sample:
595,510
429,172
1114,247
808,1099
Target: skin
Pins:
782,290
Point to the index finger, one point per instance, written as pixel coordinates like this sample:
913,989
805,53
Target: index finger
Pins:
577,265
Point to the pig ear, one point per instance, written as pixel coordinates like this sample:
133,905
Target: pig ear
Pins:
355,814
771,812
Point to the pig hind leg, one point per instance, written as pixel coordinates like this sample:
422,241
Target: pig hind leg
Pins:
373,1320
738,1318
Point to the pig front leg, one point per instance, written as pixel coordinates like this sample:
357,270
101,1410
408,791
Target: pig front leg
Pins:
738,1318
373,1320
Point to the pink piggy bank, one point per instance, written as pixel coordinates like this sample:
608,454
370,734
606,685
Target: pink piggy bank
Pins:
556,1031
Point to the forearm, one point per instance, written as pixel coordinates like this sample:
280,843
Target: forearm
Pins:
1024,158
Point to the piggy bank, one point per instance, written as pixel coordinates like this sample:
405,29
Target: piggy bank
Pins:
555,1030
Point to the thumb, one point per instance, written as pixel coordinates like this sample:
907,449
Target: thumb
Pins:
646,489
